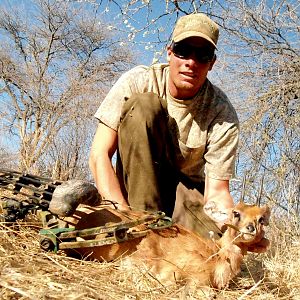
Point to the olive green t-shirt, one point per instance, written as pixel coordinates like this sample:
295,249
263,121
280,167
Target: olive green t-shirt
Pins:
207,126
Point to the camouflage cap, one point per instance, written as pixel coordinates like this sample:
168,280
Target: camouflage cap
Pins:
198,25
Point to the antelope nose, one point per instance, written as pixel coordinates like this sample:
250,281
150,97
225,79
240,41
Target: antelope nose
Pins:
250,228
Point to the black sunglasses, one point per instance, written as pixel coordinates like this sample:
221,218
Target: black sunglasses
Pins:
185,51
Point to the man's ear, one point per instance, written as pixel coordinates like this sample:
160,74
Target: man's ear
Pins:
212,62
169,52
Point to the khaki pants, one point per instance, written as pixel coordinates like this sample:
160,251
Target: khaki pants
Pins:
146,169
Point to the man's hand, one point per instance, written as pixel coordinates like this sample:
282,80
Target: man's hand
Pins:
217,199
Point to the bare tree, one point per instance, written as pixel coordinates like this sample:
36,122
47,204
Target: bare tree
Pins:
56,62
267,67
7,158
67,156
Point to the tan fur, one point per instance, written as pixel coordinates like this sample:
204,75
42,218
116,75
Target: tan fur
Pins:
177,253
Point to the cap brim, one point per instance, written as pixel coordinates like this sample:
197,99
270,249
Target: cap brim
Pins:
189,34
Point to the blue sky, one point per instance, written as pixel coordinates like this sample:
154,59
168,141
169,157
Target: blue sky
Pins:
149,42
143,42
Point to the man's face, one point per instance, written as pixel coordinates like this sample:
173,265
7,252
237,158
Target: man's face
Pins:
188,71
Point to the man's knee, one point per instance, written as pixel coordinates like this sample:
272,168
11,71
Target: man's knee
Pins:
144,107
189,212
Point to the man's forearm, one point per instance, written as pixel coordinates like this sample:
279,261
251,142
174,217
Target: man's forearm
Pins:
107,182
105,177
103,148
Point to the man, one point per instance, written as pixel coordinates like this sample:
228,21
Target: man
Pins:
170,125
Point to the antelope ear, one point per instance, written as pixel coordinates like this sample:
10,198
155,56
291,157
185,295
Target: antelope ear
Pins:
266,214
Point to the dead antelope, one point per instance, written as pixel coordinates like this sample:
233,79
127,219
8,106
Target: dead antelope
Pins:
176,253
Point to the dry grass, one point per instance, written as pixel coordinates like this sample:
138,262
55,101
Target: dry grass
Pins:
27,272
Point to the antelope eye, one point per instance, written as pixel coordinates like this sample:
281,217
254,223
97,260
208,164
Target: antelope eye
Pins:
236,215
261,220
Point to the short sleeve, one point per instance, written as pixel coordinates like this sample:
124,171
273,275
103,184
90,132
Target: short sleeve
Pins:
133,81
222,144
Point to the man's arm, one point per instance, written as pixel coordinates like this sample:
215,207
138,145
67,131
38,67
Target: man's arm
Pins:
217,199
103,147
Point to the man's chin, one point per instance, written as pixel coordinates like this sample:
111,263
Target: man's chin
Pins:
188,89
